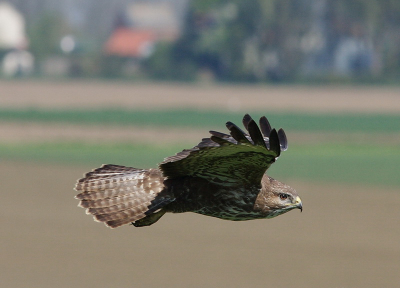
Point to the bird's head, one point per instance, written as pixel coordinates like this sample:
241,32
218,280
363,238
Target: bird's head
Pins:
276,198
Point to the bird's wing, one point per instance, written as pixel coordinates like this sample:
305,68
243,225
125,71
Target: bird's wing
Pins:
238,158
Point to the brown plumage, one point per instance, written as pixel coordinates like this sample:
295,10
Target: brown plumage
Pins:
223,176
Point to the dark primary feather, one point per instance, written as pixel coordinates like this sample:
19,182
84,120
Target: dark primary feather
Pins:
237,133
274,142
219,134
282,139
265,126
255,134
246,120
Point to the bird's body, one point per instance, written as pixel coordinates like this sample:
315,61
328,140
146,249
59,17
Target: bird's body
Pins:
223,177
214,203
229,203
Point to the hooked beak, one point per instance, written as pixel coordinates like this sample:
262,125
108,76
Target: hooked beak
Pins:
299,204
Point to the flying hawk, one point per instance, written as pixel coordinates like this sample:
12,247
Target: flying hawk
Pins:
223,176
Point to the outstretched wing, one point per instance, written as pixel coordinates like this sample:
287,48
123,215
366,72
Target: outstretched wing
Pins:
238,158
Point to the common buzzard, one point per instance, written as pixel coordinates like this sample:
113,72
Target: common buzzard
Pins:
223,176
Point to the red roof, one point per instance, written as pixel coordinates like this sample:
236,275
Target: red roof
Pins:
130,42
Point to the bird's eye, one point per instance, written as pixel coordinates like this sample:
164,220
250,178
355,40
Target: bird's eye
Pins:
283,196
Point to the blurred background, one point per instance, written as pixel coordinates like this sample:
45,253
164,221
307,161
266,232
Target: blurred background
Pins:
85,83
254,41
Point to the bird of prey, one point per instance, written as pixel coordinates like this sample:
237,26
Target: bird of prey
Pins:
223,176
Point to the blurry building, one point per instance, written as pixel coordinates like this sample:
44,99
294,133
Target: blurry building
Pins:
127,42
354,53
336,45
137,30
140,26
14,59
159,17
12,27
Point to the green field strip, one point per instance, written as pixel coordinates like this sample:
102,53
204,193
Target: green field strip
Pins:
368,165
344,122
141,155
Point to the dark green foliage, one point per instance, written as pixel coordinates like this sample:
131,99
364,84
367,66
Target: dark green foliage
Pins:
232,39
169,62
45,35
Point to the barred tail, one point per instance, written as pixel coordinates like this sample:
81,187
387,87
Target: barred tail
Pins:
117,195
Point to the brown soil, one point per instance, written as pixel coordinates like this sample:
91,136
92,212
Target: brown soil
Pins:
77,94
347,236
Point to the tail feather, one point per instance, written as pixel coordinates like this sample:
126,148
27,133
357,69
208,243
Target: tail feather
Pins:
118,181
127,213
112,201
118,195
101,193
121,181
123,205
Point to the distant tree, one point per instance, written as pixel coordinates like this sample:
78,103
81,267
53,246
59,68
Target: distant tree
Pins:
45,35
271,40
233,38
